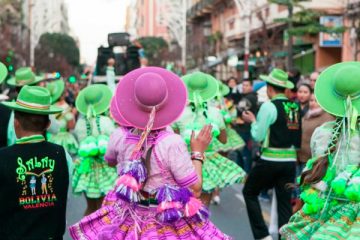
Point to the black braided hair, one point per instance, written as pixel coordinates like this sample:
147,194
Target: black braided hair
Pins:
204,105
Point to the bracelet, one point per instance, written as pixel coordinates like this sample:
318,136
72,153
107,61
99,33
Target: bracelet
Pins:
197,155
196,159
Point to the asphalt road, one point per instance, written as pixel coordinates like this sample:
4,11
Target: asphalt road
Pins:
230,216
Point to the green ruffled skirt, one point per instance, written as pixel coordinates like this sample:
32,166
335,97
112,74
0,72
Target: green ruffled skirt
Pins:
220,172
338,223
234,142
67,140
93,177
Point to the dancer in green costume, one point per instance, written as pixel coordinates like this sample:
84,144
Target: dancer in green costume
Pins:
218,171
330,182
92,175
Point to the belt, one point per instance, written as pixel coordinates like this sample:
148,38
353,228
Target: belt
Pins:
148,199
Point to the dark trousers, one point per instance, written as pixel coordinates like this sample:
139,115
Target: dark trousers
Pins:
264,175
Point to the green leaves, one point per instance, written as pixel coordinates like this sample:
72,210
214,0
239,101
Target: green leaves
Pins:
154,47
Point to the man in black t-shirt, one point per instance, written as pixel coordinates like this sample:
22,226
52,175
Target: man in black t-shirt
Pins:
34,176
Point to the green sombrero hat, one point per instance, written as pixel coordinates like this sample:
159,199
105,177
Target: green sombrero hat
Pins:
56,89
93,100
201,86
24,76
3,72
338,88
33,99
278,78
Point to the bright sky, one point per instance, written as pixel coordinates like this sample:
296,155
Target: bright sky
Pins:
92,20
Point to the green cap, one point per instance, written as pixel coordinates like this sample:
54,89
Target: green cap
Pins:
33,99
278,78
24,76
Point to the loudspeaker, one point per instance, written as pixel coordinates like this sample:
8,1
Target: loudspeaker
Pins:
118,39
101,62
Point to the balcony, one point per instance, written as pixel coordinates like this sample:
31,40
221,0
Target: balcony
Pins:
200,9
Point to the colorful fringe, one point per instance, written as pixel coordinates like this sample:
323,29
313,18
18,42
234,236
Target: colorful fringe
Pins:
123,221
220,172
93,177
340,222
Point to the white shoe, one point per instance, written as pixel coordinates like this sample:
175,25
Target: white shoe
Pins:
216,200
267,238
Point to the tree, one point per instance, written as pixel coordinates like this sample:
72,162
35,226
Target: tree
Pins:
156,49
14,35
57,52
305,21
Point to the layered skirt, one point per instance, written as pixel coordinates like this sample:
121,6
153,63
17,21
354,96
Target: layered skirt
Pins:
93,177
122,221
234,142
220,172
339,222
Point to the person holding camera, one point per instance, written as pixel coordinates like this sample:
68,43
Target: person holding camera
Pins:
248,102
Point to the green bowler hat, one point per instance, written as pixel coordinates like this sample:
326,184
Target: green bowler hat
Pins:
201,84
338,84
3,72
35,100
56,89
96,96
278,78
24,76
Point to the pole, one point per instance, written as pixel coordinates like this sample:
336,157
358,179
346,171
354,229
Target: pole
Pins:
183,47
245,6
247,39
290,61
30,35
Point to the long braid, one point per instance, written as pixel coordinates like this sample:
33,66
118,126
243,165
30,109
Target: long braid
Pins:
318,171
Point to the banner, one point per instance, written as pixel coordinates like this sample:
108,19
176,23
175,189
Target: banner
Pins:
331,39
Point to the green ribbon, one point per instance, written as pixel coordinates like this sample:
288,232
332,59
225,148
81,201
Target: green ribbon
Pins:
85,165
91,112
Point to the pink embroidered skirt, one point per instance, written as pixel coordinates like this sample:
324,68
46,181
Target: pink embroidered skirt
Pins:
121,221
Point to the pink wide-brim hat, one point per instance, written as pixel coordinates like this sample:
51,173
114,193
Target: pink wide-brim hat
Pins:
142,89
116,115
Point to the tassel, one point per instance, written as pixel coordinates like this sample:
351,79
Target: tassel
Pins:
102,143
170,204
88,147
193,207
132,177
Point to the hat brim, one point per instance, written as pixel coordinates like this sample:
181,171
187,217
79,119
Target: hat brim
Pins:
325,94
12,82
3,72
60,86
16,107
208,93
224,90
103,104
267,79
169,112
116,114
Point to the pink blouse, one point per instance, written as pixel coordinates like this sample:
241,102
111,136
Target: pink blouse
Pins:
170,161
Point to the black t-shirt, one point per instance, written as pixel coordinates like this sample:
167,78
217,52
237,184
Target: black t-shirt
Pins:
34,181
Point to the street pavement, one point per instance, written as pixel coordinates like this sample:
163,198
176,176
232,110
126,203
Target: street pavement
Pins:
230,216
